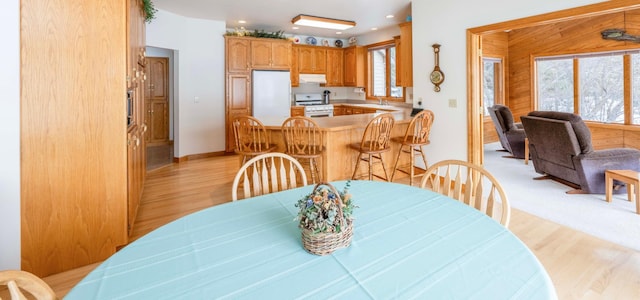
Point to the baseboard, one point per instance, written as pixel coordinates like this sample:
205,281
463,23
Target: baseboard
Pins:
199,156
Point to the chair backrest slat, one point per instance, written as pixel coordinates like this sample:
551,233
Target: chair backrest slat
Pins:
472,185
268,173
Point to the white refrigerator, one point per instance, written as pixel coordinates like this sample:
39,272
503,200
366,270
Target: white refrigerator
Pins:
271,94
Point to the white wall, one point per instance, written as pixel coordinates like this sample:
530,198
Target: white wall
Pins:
199,45
445,23
10,135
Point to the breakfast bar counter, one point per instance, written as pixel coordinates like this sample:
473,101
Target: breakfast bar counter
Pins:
339,160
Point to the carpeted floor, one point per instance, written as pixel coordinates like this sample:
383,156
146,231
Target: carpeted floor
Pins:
159,156
616,221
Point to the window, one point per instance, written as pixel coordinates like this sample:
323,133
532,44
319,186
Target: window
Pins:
635,88
492,92
382,72
591,85
555,84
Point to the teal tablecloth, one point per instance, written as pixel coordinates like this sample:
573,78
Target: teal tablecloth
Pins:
407,243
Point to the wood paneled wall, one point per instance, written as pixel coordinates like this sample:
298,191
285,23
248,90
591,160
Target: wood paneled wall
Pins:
496,45
575,36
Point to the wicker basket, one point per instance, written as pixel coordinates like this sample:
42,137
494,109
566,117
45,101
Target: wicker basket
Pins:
325,243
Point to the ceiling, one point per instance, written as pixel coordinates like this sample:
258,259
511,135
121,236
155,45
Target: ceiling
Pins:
275,15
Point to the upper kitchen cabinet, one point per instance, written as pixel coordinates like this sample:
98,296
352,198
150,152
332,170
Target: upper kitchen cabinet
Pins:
404,59
271,54
334,67
238,54
312,60
295,75
355,66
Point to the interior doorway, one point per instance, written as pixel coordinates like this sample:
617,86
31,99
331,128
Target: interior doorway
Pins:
159,106
475,62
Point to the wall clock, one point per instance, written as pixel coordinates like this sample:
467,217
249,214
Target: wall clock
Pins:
437,77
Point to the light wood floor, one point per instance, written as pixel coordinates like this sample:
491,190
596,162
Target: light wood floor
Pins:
581,266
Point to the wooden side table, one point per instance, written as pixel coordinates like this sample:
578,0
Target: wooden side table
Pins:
630,178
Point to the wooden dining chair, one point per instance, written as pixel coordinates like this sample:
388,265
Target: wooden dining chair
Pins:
18,281
268,173
251,137
416,137
471,184
375,142
303,141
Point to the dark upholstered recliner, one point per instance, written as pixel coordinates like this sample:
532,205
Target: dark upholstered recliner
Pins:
511,134
560,146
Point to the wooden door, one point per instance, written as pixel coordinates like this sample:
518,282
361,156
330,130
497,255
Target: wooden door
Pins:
157,100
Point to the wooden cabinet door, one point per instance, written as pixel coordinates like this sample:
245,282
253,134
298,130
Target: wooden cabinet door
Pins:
320,61
305,60
157,100
334,67
312,60
406,54
281,55
238,102
297,111
238,52
354,66
261,54
270,55
338,110
295,75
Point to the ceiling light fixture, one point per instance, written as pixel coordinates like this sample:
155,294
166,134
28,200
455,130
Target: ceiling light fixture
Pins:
305,20
242,21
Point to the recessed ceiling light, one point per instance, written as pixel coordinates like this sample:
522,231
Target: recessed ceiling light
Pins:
295,28
374,28
242,21
339,32
389,16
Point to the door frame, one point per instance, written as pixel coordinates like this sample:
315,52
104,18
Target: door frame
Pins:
474,60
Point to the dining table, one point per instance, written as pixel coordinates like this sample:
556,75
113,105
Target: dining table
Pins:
407,243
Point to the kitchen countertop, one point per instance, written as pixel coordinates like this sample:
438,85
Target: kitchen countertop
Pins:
337,123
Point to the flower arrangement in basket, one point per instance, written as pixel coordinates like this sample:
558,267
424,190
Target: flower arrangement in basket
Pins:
326,219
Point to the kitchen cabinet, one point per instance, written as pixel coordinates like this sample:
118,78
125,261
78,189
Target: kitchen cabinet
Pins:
238,103
76,164
238,54
297,111
335,67
404,58
355,66
270,54
295,75
338,110
312,60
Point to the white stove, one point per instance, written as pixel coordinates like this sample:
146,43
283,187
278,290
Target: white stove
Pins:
314,106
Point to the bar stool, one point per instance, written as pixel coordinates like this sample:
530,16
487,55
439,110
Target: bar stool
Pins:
303,141
375,141
416,136
251,138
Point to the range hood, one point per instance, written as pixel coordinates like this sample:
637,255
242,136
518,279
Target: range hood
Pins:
313,78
